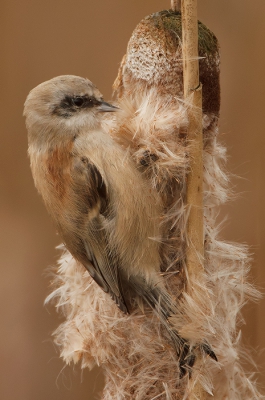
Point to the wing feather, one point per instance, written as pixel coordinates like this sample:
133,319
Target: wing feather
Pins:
101,262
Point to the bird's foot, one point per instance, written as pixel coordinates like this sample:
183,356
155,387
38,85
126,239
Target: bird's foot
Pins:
187,357
148,158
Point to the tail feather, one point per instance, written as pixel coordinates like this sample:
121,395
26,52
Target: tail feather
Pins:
163,306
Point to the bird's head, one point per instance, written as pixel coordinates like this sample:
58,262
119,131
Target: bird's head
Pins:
62,105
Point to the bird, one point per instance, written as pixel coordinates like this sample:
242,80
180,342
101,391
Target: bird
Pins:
104,210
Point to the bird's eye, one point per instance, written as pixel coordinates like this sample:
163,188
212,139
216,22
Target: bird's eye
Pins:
78,101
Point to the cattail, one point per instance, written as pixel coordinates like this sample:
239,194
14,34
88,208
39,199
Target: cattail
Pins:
134,351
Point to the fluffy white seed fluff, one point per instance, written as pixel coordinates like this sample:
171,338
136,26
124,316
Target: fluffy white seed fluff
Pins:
134,351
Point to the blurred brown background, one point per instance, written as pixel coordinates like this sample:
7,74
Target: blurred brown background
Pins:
41,39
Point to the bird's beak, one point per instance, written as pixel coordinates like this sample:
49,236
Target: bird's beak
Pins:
106,107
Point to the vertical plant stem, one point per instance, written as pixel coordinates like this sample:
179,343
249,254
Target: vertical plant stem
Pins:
175,5
193,94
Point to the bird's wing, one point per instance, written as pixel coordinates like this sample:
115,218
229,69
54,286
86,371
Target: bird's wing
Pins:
102,262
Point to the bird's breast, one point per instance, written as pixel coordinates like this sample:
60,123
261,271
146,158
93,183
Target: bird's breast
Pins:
58,167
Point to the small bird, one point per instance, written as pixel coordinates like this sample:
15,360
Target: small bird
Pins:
106,213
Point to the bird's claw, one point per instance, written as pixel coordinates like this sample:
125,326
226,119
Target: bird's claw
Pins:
187,357
147,158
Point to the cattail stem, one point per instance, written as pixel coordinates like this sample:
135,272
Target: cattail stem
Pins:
175,5
193,95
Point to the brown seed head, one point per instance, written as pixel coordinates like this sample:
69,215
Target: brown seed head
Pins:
154,58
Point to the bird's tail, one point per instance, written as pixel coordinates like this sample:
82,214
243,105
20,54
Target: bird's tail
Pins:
161,302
